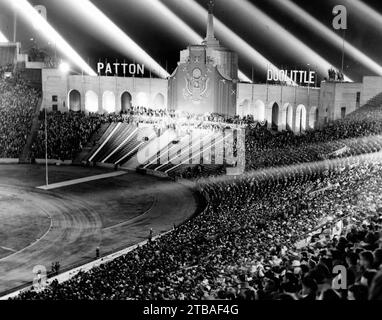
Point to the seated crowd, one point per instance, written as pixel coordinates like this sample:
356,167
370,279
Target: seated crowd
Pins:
17,105
265,148
67,134
247,243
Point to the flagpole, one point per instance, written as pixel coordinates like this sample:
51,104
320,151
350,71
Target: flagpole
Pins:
267,85
316,77
252,91
282,88
153,106
309,86
343,52
14,26
46,151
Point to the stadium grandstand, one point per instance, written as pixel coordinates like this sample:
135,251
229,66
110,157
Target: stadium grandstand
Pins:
273,235
18,104
8,54
316,188
116,138
261,201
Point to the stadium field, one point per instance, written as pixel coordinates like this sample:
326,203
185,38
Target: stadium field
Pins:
67,224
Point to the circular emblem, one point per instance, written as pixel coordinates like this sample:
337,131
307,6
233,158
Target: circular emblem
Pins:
197,73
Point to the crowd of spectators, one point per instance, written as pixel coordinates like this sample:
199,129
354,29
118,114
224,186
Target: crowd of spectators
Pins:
67,134
262,236
18,103
358,134
247,243
265,148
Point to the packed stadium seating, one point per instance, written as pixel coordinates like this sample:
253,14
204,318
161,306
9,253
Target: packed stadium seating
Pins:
244,245
18,103
356,134
272,234
122,140
68,133
7,54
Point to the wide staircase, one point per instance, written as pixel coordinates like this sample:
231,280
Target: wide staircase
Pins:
123,145
181,156
114,144
96,137
371,109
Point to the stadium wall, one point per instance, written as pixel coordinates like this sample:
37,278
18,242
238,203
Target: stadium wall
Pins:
285,107
338,99
100,94
372,86
295,106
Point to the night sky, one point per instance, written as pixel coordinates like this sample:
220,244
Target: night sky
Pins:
164,46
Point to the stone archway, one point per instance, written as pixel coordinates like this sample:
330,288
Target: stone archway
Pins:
74,100
91,101
142,100
108,102
288,120
158,102
259,111
245,107
313,117
300,125
126,101
275,116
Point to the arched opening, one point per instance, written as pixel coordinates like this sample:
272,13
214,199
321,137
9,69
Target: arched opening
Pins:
245,107
74,101
313,117
142,100
158,101
275,116
300,119
126,101
289,117
91,101
108,102
259,110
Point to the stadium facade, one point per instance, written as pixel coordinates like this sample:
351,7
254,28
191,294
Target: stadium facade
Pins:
206,81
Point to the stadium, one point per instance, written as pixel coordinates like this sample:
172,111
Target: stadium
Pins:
198,184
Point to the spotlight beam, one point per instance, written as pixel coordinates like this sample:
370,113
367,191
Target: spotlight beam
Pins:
364,12
308,20
282,39
199,153
3,38
160,11
103,27
228,36
29,14
186,149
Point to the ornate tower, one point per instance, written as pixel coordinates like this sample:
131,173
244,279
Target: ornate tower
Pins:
206,77
210,39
